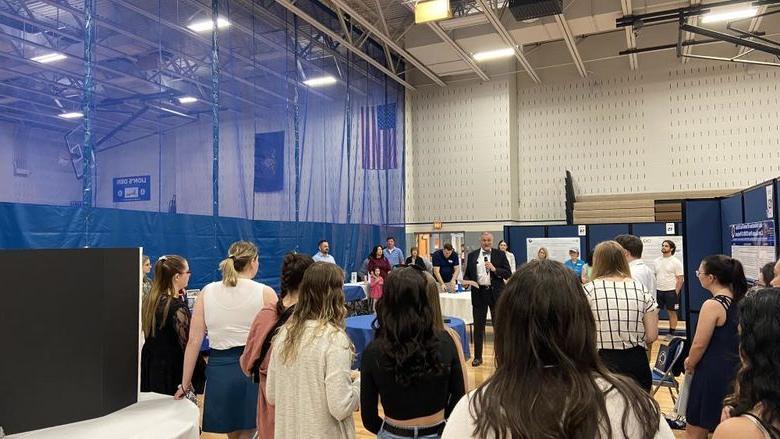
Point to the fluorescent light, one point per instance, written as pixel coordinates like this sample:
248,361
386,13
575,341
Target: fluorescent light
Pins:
49,57
168,110
72,115
188,100
432,10
320,81
734,14
208,25
494,54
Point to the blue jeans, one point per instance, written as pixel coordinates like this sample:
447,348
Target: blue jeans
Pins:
387,435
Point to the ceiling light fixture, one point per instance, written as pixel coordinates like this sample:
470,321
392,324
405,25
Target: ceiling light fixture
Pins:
72,115
489,55
208,25
188,100
320,81
730,15
49,57
432,10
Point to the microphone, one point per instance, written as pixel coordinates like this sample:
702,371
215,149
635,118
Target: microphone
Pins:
486,270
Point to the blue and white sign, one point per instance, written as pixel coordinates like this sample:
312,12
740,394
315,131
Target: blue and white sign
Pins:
132,188
754,245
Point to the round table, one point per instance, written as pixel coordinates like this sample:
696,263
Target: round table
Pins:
360,332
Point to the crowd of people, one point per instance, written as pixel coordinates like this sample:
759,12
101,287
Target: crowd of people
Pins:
570,357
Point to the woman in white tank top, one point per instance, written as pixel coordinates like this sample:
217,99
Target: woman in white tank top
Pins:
226,309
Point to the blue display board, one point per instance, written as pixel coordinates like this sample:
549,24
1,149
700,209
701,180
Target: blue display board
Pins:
137,188
603,232
730,213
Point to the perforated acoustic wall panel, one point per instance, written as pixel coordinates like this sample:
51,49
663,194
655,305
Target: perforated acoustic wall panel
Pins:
458,153
703,126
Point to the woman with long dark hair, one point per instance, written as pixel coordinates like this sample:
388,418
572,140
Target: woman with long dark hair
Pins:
226,309
166,325
550,381
754,407
257,354
714,355
310,383
412,365
626,314
377,260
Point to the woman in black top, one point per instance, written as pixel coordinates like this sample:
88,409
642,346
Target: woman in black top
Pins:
415,259
411,365
166,325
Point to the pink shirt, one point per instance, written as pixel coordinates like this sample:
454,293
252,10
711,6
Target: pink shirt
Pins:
376,287
263,323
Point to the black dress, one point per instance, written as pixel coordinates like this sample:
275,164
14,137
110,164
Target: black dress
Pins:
715,373
162,357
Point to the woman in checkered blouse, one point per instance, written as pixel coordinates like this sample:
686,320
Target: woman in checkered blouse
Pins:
626,314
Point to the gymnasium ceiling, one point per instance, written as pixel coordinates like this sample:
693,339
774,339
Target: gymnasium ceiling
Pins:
591,23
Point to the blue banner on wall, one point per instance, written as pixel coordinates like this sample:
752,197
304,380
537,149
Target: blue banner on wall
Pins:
269,162
136,188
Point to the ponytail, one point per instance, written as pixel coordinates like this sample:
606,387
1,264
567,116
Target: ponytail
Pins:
738,283
229,272
240,255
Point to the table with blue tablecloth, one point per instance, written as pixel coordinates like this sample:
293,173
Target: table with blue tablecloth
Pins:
360,332
355,291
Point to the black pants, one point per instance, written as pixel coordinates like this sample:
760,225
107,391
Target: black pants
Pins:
482,299
630,362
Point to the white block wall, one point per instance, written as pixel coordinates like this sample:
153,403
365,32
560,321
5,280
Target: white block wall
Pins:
694,127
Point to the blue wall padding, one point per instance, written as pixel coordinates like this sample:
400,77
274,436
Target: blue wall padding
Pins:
653,229
755,204
700,238
603,232
561,232
516,239
203,240
730,213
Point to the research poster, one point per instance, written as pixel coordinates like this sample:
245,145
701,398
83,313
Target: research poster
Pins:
754,245
557,248
651,248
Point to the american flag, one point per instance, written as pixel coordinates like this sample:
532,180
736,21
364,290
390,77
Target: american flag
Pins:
378,136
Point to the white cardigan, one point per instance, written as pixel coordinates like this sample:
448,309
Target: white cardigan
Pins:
314,394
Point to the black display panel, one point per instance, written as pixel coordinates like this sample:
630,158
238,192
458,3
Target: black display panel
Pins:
69,326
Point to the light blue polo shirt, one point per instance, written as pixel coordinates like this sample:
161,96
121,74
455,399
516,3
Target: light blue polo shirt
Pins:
575,266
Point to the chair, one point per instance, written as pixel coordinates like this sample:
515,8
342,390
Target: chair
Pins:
668,356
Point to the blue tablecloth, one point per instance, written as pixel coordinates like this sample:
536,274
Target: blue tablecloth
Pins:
353,293
360,332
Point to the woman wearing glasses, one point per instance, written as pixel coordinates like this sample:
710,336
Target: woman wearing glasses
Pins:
714,356
226,309
166,325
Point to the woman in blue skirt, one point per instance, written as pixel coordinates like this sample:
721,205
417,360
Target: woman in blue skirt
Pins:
226,309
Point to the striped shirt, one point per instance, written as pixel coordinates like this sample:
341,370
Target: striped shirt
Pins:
619,309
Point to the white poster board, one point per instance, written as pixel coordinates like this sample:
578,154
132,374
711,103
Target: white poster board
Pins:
754,245
651,248
557,248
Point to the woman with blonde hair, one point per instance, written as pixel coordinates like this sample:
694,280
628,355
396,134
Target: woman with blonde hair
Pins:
309,378
432,290
542,254
626,314
166,325
226,309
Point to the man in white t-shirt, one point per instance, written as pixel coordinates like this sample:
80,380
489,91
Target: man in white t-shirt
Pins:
641,272
669,280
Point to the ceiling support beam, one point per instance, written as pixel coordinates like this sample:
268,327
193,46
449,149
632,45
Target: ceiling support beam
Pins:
687,36
508,39
465,57
327,31
571,44
633,59
755,23
387,40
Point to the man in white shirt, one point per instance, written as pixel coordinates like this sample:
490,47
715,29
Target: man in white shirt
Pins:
324,253
641,272
669,278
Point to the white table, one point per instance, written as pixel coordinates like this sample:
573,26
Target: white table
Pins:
458,305
153,416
